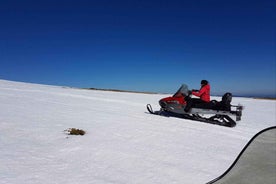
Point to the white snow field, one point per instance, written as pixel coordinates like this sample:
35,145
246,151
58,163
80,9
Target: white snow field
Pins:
123,143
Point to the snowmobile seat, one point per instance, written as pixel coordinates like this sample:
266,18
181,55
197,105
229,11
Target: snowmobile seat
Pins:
224,104
210,105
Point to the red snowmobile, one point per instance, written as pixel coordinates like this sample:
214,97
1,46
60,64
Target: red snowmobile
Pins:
214,112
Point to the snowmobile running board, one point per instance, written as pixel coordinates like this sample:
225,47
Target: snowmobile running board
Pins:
221,118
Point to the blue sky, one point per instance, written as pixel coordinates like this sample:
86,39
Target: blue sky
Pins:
144,45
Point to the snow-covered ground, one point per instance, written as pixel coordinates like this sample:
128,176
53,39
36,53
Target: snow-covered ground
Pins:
123,144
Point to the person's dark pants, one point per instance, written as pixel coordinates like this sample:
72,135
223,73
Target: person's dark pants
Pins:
191,102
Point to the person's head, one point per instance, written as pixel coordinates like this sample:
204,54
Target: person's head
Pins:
204,82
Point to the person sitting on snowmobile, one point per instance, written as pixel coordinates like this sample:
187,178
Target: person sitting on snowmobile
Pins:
203,94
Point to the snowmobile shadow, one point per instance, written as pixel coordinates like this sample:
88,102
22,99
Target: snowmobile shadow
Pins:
256,163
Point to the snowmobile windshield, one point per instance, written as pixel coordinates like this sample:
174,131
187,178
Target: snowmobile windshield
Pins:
183,90
256,163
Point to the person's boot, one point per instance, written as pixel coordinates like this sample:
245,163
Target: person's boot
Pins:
186,110
188,104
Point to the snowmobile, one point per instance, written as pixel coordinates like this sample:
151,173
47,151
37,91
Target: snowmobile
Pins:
214,112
